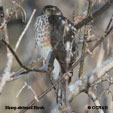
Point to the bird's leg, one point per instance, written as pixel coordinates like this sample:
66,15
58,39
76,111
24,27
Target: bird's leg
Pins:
45,67
49,61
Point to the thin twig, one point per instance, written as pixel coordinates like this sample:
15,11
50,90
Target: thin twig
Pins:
24,31
19,73
43,94
23,11
18,60
94,14
95,100
86,28
21,90
92,49
11,15
8,67
88,80
30,88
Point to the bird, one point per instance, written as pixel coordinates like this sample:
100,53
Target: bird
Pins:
49,30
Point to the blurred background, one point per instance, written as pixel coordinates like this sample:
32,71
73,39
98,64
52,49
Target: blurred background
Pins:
27,52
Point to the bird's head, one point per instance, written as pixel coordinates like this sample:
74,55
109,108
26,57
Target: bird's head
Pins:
51,10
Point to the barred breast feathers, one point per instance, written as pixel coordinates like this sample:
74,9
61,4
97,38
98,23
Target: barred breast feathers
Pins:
42,30
41,20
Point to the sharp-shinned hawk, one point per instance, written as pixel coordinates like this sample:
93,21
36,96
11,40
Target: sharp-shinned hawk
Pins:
50,27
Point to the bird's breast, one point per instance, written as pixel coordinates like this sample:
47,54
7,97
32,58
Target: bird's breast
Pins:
42,36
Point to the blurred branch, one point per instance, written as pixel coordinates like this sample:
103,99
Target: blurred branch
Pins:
43,94
18,43
79,85
107,32
95,100
18,60
86,34
21,90
107,90
30,88
65,82
21,36
12,13
22,12
86,82
94,14
21,71
6,73
10,52
25,29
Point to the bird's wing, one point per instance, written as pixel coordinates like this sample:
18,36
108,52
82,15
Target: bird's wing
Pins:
61,29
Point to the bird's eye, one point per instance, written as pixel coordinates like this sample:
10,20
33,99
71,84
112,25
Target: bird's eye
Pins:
48,10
